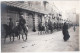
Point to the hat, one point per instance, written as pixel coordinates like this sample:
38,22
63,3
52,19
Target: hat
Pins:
10,18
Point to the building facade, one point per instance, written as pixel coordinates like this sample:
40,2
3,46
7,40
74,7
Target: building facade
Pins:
33,12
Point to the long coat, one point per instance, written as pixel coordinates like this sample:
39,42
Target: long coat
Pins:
65,32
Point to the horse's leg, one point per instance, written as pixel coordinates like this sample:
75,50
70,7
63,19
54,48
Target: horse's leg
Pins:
26,35
48,31
45,31
41,32
51,30
19,36
10,37
38,32
5,38
22,36
13,37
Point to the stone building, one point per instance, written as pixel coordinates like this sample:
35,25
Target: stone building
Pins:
33,12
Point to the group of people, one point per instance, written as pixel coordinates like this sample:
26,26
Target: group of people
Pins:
49,27
20,29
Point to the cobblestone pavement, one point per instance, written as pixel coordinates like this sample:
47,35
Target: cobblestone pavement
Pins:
43,43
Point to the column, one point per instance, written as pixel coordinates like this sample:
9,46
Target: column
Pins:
34,30
36,21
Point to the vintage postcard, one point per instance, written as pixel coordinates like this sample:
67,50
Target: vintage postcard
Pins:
40,26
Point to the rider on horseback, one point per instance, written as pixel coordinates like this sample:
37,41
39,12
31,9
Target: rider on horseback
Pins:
10,27
22,25
22,22
10,24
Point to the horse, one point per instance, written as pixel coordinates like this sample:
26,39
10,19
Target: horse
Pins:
46,29
50,27
7,32
41,29
22,31
16,31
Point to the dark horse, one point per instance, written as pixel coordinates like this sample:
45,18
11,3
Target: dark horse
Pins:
50,27
41,28
7,32
22,31
15,32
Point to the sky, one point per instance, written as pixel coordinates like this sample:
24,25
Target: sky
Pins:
67,5
67,8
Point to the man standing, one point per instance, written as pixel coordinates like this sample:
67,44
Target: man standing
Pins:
65,32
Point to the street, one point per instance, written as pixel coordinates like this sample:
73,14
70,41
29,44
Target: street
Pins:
43,43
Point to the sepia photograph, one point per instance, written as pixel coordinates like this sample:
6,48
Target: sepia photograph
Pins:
40,26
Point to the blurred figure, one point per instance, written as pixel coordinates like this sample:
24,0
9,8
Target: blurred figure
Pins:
74,28
27,28
40,28
50,26
16,29
11,24
65,32
10,27
22,26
